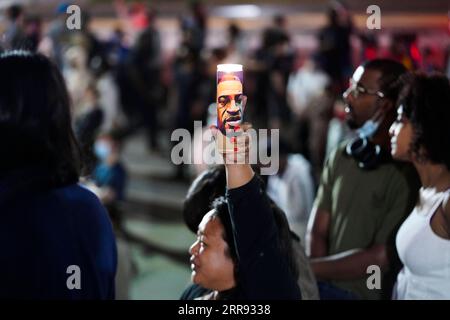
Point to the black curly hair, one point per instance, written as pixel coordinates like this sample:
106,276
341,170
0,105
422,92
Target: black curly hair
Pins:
426,104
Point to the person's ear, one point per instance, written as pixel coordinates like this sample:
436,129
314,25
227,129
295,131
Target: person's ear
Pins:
386,105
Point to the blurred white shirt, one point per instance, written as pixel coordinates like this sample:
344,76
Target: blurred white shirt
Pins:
304,85
293,192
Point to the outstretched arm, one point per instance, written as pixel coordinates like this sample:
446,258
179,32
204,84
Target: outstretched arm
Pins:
263,270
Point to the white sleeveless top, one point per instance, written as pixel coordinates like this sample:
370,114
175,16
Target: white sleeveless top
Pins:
425,255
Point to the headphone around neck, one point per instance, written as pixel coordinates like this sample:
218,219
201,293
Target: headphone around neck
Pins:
368,154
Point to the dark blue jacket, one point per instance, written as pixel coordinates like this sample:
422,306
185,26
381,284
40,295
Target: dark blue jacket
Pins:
43,233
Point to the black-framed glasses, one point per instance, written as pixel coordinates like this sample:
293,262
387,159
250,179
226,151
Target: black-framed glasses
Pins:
356,90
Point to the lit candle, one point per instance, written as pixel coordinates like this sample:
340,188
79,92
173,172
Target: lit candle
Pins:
230,105
230,78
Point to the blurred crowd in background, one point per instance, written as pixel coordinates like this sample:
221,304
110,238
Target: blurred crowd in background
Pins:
122,79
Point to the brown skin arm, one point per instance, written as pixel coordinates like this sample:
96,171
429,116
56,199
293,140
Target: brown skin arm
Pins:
446,207
347,265
317,235
238,175
351,264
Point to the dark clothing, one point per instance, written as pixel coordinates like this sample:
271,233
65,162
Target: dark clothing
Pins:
15,38
86,129
263,271
327,291
334,54
194,291
88,124
44,231
114,177
140,84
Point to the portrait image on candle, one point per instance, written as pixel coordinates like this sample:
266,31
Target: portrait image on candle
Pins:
229,97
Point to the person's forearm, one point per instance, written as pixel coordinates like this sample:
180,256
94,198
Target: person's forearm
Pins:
318,247
238,175
349,265
317,233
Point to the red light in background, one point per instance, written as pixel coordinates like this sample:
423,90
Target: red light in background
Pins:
415,53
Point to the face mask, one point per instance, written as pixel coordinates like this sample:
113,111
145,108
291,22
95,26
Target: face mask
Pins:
102,150
370,126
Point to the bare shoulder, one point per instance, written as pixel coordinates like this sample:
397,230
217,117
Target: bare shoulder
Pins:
446,209
446,206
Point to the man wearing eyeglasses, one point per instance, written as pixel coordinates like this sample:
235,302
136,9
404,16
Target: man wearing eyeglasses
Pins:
363,96
363,194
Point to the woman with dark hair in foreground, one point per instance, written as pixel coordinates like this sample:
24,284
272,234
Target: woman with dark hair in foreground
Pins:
244,248
214,257
56,241
421,135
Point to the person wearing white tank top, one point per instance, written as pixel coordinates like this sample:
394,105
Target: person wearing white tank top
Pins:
421,135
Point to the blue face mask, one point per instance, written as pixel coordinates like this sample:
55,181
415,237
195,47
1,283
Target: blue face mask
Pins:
369,128
102,150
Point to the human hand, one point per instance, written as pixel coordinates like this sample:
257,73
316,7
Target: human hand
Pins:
234,147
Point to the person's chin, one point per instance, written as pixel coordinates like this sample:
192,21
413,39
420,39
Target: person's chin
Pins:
199,281
352,124
194,277
397,155
394,152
